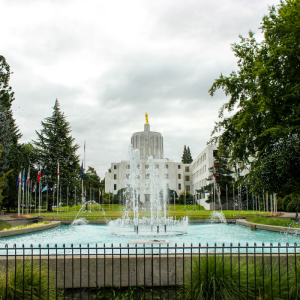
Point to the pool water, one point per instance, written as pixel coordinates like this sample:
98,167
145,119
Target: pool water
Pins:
197,233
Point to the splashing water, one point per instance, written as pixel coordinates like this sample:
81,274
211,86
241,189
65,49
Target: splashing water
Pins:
155,188
82,220
217,216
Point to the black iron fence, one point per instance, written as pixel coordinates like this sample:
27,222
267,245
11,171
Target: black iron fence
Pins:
152,270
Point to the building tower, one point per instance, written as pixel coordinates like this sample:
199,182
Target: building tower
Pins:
150,143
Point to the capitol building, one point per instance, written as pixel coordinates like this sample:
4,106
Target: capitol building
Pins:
178,176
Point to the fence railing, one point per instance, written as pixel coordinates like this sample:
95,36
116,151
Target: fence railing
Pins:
150,270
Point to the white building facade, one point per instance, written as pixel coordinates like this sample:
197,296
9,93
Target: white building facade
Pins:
177,175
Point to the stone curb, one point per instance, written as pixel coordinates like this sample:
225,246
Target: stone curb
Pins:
255,226
11,232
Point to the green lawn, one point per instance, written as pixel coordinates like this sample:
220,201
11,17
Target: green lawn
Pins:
115,211
274,221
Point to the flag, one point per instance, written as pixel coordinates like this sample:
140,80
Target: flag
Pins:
23,179
203,191
39,174
173,194
215,175
57,170
82,174
45,188
19,179
238,172
33,190
27,180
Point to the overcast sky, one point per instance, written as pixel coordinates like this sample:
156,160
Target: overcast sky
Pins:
109,62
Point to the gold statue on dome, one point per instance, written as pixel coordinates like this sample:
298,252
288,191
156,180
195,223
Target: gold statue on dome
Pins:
146,116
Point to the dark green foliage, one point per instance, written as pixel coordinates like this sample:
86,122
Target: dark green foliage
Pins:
213,280
34,282
277,170
54,144
218,277
266,91
188,197
4,225
186,156
9,135
224,177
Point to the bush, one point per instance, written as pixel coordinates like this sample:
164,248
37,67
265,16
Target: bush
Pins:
4,225
35,282
218,278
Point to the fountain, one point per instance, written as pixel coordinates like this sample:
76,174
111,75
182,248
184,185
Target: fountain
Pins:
82,220
154,220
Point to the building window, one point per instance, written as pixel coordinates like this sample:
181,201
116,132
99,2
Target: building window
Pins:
187,178
147,176
179,176
138,166
187,187
115,167
187,169
166,176
128,167
179,186
127,176
166,166
115,187
147,197
156,166
146,166
179,166
115,176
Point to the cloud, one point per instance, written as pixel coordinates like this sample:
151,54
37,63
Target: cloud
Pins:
109,62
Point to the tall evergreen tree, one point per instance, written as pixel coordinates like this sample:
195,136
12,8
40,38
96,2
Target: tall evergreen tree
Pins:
184,155
9,138
189,156
224,177
54,143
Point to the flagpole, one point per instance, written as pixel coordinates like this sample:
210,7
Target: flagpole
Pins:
23,192
40,197
19,199
67,198
35,196
227,196
174,200
47,197
75,198
57,175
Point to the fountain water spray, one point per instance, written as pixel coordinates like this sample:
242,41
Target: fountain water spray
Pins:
155,187
82,220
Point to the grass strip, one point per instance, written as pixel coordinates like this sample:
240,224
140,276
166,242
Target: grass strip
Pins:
274,221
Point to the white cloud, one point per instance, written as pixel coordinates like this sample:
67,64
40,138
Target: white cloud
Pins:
109,62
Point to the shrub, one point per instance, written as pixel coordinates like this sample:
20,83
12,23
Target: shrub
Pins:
35,282
4,225
217,277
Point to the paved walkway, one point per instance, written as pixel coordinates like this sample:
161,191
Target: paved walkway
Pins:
288,215
6,217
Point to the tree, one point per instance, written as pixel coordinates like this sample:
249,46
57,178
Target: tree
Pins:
2,178
91,180
189,156
265,91
277,170
9,137
186,156
55,144
224,179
